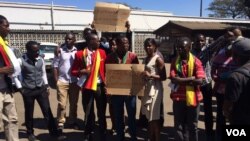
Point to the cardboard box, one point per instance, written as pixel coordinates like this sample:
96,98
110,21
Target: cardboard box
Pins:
124,79
109,17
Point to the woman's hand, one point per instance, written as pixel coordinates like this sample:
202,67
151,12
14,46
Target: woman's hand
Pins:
146,74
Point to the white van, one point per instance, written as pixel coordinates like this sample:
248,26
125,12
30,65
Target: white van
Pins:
47,51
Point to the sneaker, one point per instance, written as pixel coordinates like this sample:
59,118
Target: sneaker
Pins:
60,125
60,129
112,132
32,137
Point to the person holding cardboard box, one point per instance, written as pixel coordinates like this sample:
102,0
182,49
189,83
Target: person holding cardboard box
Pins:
123,56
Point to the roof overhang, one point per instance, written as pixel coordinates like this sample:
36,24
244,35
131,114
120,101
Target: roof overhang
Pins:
188,26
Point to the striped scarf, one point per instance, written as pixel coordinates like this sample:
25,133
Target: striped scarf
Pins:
4,52
191,98
91,83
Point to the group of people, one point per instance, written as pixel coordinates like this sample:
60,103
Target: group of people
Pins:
224,61
74,71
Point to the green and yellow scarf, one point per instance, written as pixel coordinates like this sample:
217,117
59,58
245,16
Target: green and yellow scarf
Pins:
191,98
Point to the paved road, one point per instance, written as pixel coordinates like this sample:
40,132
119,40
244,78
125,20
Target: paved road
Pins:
76,135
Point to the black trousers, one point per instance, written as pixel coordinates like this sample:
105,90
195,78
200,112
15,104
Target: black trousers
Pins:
41,95
88,98
220,119
207,101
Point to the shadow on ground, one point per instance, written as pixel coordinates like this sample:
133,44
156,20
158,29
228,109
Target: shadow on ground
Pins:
167,133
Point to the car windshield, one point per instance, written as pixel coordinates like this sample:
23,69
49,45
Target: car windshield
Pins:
47,48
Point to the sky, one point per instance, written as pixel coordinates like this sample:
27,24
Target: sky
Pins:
177,7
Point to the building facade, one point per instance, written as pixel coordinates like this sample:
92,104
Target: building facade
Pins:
50,23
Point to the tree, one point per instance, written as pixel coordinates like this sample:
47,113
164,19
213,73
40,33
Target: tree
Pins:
227,8
247,3
247,7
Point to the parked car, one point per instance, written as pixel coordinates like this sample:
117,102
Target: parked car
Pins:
47,52
80,44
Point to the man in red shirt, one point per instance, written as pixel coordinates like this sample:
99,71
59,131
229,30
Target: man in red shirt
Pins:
186,74
90,63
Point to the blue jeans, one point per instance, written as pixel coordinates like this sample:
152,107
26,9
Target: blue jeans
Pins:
118,104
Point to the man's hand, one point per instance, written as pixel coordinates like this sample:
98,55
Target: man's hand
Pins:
55,75
175,80
48,91
21,90
84,71
227,108
106,91
185,81
127,25
7,70
92,25
57,50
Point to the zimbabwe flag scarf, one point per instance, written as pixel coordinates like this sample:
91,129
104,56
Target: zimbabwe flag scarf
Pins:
91,83
191,98
5,52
